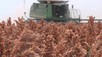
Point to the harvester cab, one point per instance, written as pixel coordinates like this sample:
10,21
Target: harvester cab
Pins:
53,10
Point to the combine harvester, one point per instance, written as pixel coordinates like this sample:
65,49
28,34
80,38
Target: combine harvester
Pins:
55,10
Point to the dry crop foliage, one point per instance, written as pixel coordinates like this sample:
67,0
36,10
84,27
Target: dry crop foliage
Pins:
42,39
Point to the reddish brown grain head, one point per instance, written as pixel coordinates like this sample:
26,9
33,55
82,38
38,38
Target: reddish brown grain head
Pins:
43,39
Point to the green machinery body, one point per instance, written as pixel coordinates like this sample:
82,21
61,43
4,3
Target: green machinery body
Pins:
57,12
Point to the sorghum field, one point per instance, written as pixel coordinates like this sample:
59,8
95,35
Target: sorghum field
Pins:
50,39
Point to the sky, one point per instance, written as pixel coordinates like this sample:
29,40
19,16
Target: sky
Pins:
15,8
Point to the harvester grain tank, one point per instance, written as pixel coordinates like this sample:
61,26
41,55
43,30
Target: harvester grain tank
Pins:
51,10
53,1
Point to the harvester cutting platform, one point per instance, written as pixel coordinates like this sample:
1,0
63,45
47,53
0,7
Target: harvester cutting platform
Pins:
54,10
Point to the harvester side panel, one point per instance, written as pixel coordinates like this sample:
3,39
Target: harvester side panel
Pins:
39,10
